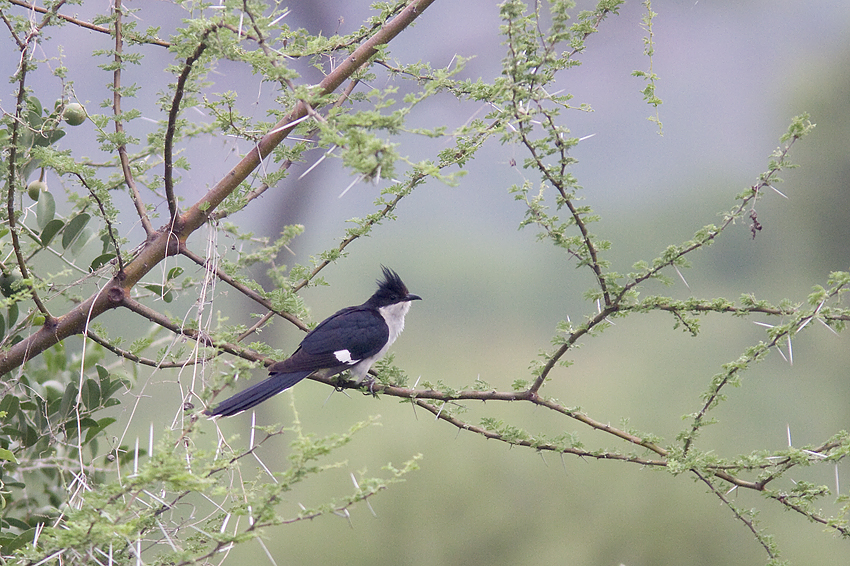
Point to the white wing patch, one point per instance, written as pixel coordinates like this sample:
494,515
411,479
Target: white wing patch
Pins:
344,356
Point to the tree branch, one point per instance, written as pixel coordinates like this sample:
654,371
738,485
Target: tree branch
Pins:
170,239
85,24
138,203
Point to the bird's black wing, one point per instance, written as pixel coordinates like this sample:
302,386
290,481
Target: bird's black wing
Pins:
343,339
339,342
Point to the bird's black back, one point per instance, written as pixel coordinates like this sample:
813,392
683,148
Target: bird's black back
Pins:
360,330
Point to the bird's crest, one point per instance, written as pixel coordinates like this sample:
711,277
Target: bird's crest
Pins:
391,289
392,282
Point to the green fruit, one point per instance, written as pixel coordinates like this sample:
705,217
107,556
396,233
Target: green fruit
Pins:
74,114
35,187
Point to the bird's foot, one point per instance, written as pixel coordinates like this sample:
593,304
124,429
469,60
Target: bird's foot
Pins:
370,387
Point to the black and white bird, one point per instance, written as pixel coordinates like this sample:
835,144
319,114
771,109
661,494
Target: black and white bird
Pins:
351,339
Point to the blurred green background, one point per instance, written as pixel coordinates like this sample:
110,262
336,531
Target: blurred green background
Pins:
732,74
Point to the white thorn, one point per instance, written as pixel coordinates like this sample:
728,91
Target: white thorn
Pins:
440,411
780,193
280,17
682,277
831,329
290,124
253,424
354,182
314,165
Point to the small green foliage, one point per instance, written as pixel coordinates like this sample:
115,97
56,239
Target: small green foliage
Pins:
649,76
505,431
389,373
800,127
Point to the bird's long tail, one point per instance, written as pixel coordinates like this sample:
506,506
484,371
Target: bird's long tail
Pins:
257,393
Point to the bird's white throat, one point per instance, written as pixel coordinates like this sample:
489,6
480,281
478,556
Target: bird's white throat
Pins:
394,316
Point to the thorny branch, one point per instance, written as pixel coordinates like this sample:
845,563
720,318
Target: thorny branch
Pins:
138,203
170,239
24,45
616,303
173,113
83,23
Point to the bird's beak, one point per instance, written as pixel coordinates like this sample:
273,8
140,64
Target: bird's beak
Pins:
412,297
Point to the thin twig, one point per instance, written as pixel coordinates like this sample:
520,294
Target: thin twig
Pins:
87,25
119,126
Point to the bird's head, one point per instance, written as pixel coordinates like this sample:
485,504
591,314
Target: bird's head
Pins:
391,291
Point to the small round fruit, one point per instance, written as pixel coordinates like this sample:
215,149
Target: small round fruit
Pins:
74,114
35,187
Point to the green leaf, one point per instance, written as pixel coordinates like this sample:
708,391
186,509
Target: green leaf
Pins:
72,429
13,315
34,105
55,136
163,292
101,260
47,138
108,387
50,230
10,405
158,289
13,522
80,241
102,372
90,394
73,229
107,243
19,541
69,400
28,435
45,210
7,455
30,165
95,430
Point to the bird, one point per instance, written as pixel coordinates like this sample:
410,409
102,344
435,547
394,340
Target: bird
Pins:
351,339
